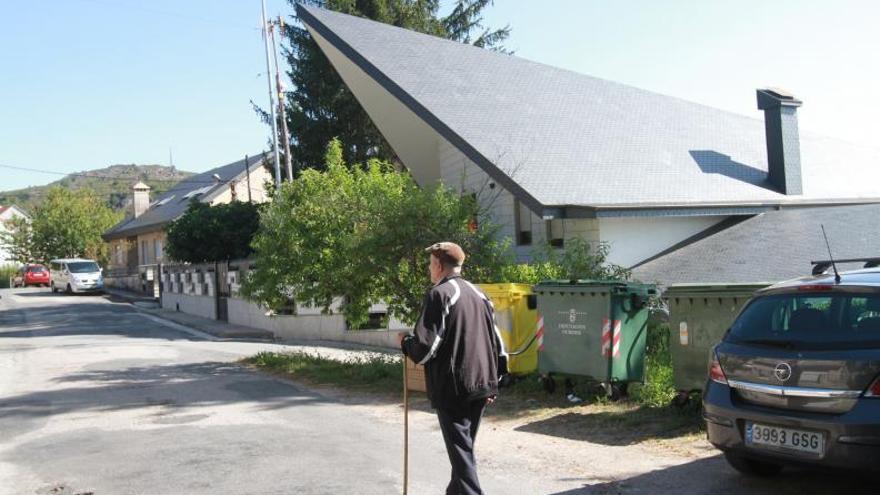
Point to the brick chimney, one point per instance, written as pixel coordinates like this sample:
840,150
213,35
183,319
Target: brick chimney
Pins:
141,201
783,142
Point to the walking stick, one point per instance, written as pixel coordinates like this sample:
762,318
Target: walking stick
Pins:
405,426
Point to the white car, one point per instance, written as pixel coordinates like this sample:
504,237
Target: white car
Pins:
75,275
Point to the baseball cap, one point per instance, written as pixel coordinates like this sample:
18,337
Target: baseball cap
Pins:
447,251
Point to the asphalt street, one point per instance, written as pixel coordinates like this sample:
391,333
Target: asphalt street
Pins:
99,397
96,396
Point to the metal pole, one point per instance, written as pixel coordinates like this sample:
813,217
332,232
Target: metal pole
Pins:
405,426
247,174
271,100
280,87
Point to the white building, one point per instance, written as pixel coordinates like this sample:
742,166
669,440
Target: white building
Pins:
559,155
8,213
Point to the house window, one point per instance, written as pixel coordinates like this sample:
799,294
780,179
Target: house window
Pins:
157,248
143,252
523,220
556,232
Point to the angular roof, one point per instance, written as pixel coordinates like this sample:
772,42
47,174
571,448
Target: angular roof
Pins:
771,247
175,201
556,138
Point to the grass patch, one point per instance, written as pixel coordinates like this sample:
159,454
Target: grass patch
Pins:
646,414
375,373
659,388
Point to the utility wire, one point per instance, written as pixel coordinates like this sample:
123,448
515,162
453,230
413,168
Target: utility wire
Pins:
188,179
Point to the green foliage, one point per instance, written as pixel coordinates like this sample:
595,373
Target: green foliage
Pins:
320,106
213,233
66,224
579,260
6,274
359,233
658,389
375,373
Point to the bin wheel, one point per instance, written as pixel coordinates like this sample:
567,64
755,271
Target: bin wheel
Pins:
617,391
681,399
548,383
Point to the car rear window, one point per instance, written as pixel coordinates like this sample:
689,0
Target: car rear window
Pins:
37,269
810,320
82,267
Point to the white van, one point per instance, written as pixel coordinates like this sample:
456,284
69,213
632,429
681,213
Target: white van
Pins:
75,275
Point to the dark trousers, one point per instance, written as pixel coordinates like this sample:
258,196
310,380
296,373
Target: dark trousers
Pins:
459,426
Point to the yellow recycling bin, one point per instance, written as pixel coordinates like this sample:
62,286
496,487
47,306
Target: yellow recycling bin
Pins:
516,315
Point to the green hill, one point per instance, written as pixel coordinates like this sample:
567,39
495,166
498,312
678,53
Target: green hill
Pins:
112,183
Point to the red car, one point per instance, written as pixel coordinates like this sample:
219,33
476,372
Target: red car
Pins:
31,274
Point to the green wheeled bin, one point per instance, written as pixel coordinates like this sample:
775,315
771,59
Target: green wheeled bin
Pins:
699,316
595,329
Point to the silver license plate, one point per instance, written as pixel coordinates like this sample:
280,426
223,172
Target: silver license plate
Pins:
775,437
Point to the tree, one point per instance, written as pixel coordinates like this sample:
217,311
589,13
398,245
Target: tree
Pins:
213,233
69,224
359,233
320,107
580,260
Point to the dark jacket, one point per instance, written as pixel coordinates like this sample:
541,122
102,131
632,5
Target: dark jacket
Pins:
457,341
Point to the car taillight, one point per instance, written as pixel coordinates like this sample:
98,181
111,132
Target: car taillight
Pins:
874,389
815,288
716,374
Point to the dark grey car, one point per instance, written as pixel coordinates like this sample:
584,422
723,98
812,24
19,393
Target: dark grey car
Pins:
795,380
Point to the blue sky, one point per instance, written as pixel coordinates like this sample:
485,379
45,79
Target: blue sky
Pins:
89,83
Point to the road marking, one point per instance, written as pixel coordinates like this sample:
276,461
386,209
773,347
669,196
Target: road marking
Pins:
179,327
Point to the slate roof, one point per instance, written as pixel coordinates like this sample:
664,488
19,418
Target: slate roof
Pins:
771,247
174,202
571,140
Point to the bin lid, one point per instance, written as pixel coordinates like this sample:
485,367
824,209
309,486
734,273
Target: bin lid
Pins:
714,289
506,289
586,284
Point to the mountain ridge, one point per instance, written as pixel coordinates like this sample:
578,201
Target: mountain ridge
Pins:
112,183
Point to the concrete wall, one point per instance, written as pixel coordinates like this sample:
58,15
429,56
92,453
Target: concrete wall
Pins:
125,282
306,326
190,289
204,306
634,239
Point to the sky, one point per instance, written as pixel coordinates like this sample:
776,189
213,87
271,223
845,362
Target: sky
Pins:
89,83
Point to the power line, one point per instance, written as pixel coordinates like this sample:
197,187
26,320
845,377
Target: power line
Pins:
188,179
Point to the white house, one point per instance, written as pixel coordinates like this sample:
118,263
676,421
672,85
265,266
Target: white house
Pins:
8,213
557,154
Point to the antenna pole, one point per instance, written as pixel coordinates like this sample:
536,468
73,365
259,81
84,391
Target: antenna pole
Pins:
271,100
830,256
279,86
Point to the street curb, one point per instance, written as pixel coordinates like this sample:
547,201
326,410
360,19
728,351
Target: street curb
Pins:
256,335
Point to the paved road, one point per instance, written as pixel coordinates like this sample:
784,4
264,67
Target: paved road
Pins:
97,397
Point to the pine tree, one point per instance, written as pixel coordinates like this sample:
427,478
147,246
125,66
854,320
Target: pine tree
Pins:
320,107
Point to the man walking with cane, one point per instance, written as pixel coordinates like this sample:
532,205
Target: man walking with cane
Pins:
463,354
